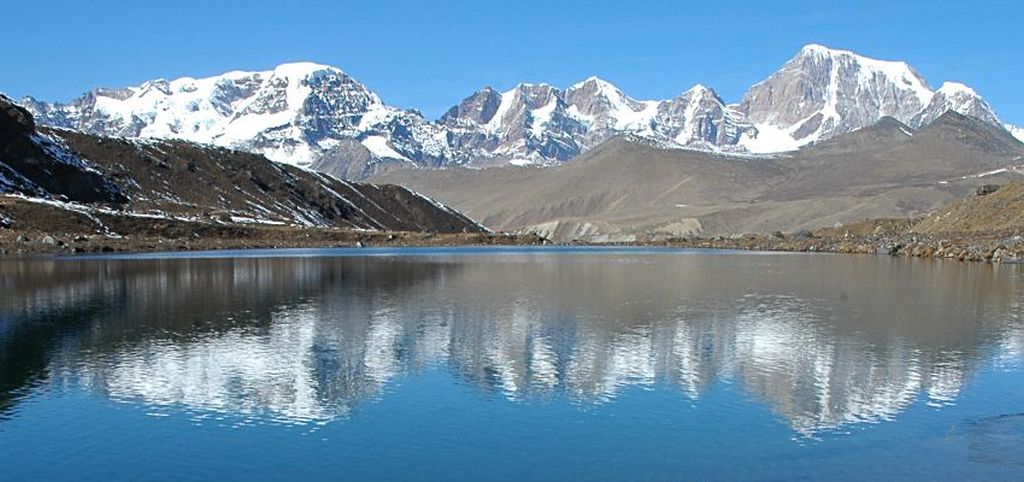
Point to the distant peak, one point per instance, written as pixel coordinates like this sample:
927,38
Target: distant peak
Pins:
813,48
533,85
889,122
593,79
302,68
599,83
819,50
699,89
954,88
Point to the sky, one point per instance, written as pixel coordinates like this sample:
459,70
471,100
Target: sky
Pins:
428,55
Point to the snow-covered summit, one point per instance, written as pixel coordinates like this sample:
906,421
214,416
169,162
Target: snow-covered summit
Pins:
822,92
294,113
957,97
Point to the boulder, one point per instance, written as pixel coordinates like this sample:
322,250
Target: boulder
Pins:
986,189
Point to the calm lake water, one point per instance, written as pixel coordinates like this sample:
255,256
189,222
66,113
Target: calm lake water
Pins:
510,364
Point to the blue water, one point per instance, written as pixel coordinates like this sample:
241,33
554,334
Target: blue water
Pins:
510,364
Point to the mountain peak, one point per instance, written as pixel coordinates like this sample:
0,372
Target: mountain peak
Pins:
301,69
823,92
897,69
818,49
821,51
959,98
970,129
700,89
955,88
595,81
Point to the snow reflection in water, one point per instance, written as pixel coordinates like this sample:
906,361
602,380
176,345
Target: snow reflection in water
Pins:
307,340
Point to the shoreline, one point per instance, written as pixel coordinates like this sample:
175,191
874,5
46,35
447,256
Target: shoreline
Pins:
45,230
991,250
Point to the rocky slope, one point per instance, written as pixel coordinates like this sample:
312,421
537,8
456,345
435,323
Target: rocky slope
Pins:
987,225
315,115
38,165
992,209
171,181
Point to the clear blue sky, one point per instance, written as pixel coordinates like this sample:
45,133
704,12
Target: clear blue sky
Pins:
428,55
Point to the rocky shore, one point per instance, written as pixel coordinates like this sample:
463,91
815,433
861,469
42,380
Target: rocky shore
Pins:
886,237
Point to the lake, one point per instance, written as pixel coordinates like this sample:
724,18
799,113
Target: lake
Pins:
510,364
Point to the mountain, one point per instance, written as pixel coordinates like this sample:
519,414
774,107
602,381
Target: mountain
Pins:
541,124
177,180
632,189
296,113
822,92
955,97
318,116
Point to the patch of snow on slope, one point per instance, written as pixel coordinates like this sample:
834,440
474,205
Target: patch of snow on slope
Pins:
1015,131
379,146
542,116
769,139
508,98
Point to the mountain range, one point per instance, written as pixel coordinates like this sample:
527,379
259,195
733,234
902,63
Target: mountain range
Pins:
632,189
318,116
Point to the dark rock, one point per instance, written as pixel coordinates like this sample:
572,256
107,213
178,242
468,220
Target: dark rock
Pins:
889,247
15,117
803,234
43,166
986,189
777,235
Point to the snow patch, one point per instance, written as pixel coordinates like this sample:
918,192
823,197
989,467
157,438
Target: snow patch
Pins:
380,147
1015,131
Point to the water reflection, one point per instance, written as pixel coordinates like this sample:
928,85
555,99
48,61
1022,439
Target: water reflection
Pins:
824,341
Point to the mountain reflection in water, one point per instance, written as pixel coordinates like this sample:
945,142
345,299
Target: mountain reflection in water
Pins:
824,341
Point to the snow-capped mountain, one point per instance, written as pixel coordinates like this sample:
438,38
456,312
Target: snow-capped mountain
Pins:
318,116
527,124
540,124
296,113
957,97
823,92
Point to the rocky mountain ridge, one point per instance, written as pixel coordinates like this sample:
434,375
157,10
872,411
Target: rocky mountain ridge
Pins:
318,116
